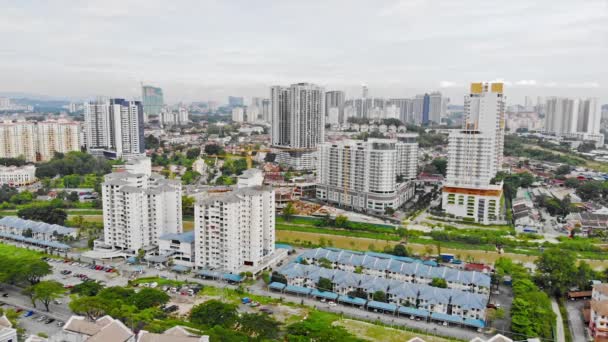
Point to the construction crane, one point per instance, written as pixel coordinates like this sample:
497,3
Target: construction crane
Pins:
248,154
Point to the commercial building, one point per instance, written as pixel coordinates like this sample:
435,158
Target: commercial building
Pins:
598,318
298,124
17,175
38,141
249,178
138,208
475,155
114,128
406,109
153,102
234,229
363,174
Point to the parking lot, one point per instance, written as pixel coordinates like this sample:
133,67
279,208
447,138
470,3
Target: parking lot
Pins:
35,321
72,273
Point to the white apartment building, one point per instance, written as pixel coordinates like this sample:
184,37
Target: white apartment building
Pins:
475,155
238,114
38,141
568,115
334,100
234,231
252,113
57,136
298,123
138,208
407,155
114,128
363,174
18,139
17,175
180,247
174,118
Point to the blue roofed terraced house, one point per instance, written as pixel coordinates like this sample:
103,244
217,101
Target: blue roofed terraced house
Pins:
39,230
406,285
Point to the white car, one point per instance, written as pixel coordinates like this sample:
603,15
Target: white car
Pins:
332,304
153,285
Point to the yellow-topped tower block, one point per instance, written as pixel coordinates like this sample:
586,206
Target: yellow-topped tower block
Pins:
497,88
476,88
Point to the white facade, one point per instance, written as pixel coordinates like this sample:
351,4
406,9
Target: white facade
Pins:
179,246
114,127
238,114
174,118
475,155
252,113
38,141
18,139
565,116
298,121
138,208
250,177
598,318
200,166
7,332
363,175
234,230
57,136
17,176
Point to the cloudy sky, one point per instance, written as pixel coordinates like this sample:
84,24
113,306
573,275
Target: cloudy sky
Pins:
199,50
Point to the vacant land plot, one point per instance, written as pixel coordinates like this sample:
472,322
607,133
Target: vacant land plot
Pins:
372,332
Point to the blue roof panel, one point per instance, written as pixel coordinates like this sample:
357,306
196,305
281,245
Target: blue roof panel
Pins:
297,289
382,306
324,294
447,318
276,285
352,300
413,311
477,323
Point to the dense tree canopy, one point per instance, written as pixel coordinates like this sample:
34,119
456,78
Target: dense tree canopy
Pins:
44,212
74,162
214,312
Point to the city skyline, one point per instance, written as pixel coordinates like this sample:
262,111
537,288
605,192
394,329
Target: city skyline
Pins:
209,51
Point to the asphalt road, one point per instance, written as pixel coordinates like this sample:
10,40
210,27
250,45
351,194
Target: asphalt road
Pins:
575,319
559,331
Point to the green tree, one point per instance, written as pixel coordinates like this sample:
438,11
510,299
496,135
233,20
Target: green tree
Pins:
193,153
341,221
325,263
555,271
584,275
87,288
213,149
45,213
221,334
47,291
380,296
289,211
439,282
33,270
22,197
441,165
147,298
214,312
400,250
90,307
324,284
188,205
563,170
259,326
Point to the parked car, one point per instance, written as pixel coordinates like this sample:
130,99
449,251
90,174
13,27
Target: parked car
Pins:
60,323
49,321
5,295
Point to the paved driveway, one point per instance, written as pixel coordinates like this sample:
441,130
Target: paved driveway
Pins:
575,320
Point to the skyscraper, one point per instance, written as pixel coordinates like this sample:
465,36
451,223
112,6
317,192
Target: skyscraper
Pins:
298,123
265,111
475,155
114,128
574,118
335,99
153,101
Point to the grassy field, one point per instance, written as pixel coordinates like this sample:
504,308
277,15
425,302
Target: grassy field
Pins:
372,332
320,230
